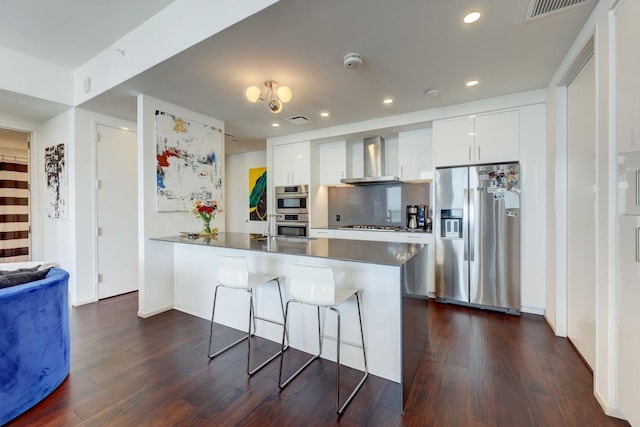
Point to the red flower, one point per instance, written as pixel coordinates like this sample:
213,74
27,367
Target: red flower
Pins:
205,209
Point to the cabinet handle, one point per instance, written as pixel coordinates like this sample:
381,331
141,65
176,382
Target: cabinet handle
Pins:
401,171
637,244
637,186
469,152
479,157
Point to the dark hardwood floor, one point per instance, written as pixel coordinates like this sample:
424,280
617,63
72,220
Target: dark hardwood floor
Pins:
480,368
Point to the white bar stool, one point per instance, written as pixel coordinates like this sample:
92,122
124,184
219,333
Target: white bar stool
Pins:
315,285
233,273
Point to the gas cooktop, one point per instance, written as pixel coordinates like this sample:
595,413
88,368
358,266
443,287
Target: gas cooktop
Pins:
371,227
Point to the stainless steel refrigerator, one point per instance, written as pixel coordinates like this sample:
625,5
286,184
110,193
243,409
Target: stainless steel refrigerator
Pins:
477,230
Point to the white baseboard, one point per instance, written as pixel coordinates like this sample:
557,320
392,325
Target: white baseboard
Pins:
154,312
83,302
609,410
532,310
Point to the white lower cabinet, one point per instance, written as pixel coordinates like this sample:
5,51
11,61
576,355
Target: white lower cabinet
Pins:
322,232
374,236
424,238
628,316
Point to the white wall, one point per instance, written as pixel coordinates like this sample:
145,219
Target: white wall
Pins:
156,258
597,26
237,191
72,241
59,233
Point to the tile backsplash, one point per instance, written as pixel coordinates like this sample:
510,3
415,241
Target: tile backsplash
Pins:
375,204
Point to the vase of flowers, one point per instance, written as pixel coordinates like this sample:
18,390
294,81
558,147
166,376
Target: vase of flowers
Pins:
205,211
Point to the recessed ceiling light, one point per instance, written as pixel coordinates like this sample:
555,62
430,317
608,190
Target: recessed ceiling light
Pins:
387,101
324,114
275,125
472,17
471,83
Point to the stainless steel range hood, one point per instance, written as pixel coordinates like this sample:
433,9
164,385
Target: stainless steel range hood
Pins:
373,166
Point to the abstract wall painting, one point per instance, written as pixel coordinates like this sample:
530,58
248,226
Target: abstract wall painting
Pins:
55,168
189,163
258,194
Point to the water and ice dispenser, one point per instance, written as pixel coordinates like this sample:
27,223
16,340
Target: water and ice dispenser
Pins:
451,223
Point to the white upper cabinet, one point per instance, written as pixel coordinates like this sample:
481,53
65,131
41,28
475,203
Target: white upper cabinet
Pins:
485,138
628,120
415,154
291,164
626,45
333,162
454,141
497,137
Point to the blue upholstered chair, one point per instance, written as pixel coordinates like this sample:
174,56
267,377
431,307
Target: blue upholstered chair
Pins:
34,342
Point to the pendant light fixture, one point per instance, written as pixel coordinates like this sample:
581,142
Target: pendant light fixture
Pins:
275,96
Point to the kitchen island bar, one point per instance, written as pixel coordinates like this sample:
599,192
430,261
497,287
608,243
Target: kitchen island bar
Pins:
395,318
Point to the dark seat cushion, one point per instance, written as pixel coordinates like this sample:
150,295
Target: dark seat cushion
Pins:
23,275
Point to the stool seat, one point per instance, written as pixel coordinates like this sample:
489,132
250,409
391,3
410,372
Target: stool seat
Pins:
233,273
315,285
253,281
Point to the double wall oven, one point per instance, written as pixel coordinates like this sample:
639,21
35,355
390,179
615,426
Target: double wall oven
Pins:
292,212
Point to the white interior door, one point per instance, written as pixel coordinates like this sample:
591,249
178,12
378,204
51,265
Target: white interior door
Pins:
581,207
117,211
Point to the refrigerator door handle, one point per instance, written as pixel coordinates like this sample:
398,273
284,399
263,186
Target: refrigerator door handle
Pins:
470,202
464,217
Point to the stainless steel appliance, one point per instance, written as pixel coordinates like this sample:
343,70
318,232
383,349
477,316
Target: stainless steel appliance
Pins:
477,231
412,217
292,199
373,154
293,225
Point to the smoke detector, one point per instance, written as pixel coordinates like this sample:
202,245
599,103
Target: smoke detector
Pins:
352,61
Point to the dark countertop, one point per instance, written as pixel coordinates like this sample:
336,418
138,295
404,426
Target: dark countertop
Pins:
383,253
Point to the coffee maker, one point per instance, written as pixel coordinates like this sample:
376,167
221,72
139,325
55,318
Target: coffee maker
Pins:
412,217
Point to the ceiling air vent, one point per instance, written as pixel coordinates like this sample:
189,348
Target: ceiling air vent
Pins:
298,120
541,8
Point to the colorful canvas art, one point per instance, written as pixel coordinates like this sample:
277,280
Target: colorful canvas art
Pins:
55,169
189,163
258,194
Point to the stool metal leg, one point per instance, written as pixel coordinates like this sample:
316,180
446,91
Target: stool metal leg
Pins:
340,409
308,362
251,329
213,312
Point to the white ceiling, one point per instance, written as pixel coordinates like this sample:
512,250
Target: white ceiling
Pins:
408,46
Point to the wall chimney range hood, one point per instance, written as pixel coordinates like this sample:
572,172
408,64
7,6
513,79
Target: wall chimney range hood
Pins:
373,166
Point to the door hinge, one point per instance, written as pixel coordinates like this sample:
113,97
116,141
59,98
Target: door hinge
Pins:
99,277
98,137
99,184
99,231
